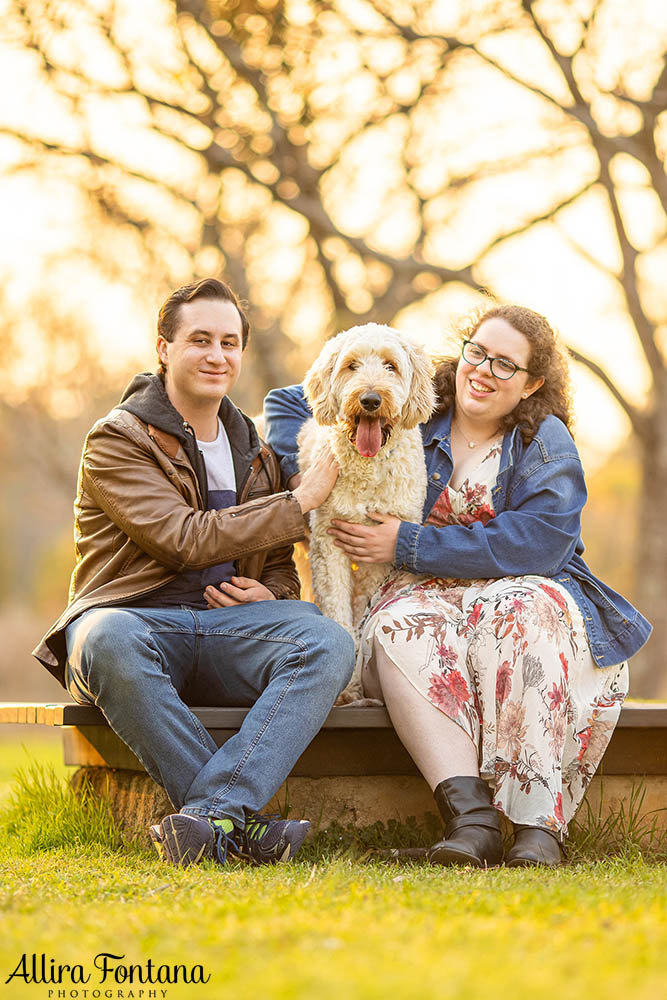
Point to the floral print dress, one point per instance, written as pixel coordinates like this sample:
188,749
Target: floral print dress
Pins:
508,660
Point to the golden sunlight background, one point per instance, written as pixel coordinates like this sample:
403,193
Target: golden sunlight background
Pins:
336,162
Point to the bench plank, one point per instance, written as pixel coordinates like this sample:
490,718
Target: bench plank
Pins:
353,740
634,715
362,752
347,717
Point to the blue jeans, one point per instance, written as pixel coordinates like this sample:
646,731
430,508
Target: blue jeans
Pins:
141,666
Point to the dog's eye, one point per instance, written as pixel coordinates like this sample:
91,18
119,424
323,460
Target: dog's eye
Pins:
353,365
390,365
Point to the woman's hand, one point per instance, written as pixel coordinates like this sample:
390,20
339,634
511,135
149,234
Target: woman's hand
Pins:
241,590
368,543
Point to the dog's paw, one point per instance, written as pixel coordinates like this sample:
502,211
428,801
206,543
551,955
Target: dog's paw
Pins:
362,703
352,692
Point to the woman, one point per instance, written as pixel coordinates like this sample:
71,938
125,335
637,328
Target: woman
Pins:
499,656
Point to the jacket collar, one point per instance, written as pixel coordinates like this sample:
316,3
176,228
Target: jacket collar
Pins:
438,430
146,397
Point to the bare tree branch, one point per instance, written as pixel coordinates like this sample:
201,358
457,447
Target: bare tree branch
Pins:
628,282
94,158
636,417
304,194
584,253
582,110
534,220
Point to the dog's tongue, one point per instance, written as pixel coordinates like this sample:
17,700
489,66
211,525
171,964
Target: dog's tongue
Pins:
369,436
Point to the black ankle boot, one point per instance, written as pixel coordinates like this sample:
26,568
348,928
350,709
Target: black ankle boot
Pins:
472,825
533,845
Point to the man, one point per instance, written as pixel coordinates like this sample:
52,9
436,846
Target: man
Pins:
185,592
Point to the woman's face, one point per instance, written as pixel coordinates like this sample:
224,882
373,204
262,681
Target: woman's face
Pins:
481,396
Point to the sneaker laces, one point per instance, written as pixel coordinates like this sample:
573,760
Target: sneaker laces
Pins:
224,840
257,824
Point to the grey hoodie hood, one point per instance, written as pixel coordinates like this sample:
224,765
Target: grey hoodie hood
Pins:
146,398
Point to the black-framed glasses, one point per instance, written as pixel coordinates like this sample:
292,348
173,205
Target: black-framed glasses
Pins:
500,367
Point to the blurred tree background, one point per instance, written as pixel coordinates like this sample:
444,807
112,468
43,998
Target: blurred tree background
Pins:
337,162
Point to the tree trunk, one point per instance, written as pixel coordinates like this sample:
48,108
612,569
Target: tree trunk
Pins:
649,669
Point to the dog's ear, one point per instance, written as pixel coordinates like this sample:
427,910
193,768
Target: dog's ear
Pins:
317,384
421,400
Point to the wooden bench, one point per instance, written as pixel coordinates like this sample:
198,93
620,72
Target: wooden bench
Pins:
355,770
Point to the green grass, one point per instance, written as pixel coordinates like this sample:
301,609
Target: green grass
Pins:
339,923
15,754
41,811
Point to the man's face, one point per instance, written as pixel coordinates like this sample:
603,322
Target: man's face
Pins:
203,361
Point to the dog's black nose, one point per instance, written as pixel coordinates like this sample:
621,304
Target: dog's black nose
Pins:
370,401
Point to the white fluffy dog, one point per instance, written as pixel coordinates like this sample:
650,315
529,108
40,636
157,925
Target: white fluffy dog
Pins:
369,390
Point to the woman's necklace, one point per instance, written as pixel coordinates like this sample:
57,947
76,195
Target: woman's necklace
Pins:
471,444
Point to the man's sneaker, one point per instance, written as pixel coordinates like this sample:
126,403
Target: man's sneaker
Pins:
184,839
267,839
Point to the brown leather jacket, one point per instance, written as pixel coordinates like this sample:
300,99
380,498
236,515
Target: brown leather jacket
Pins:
141,518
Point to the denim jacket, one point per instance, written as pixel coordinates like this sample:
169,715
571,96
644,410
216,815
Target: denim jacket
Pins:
538,498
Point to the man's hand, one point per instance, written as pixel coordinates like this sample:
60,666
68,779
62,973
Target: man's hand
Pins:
241,590
368,543
317,482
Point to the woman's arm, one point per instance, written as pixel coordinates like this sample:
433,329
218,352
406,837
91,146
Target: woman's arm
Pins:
285,412
538,533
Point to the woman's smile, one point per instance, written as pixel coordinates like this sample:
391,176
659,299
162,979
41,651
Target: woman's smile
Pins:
479,389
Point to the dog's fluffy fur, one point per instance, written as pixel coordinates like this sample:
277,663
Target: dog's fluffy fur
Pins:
379,450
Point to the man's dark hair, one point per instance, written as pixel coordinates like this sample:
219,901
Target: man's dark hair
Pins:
205,288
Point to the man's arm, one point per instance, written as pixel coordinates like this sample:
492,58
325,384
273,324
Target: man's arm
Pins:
124,479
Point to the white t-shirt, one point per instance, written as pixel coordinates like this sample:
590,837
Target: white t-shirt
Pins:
219,468
187,589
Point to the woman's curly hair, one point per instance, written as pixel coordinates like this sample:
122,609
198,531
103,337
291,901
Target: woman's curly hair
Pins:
548,359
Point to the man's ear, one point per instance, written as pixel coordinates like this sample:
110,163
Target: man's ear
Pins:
161,348
317,384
